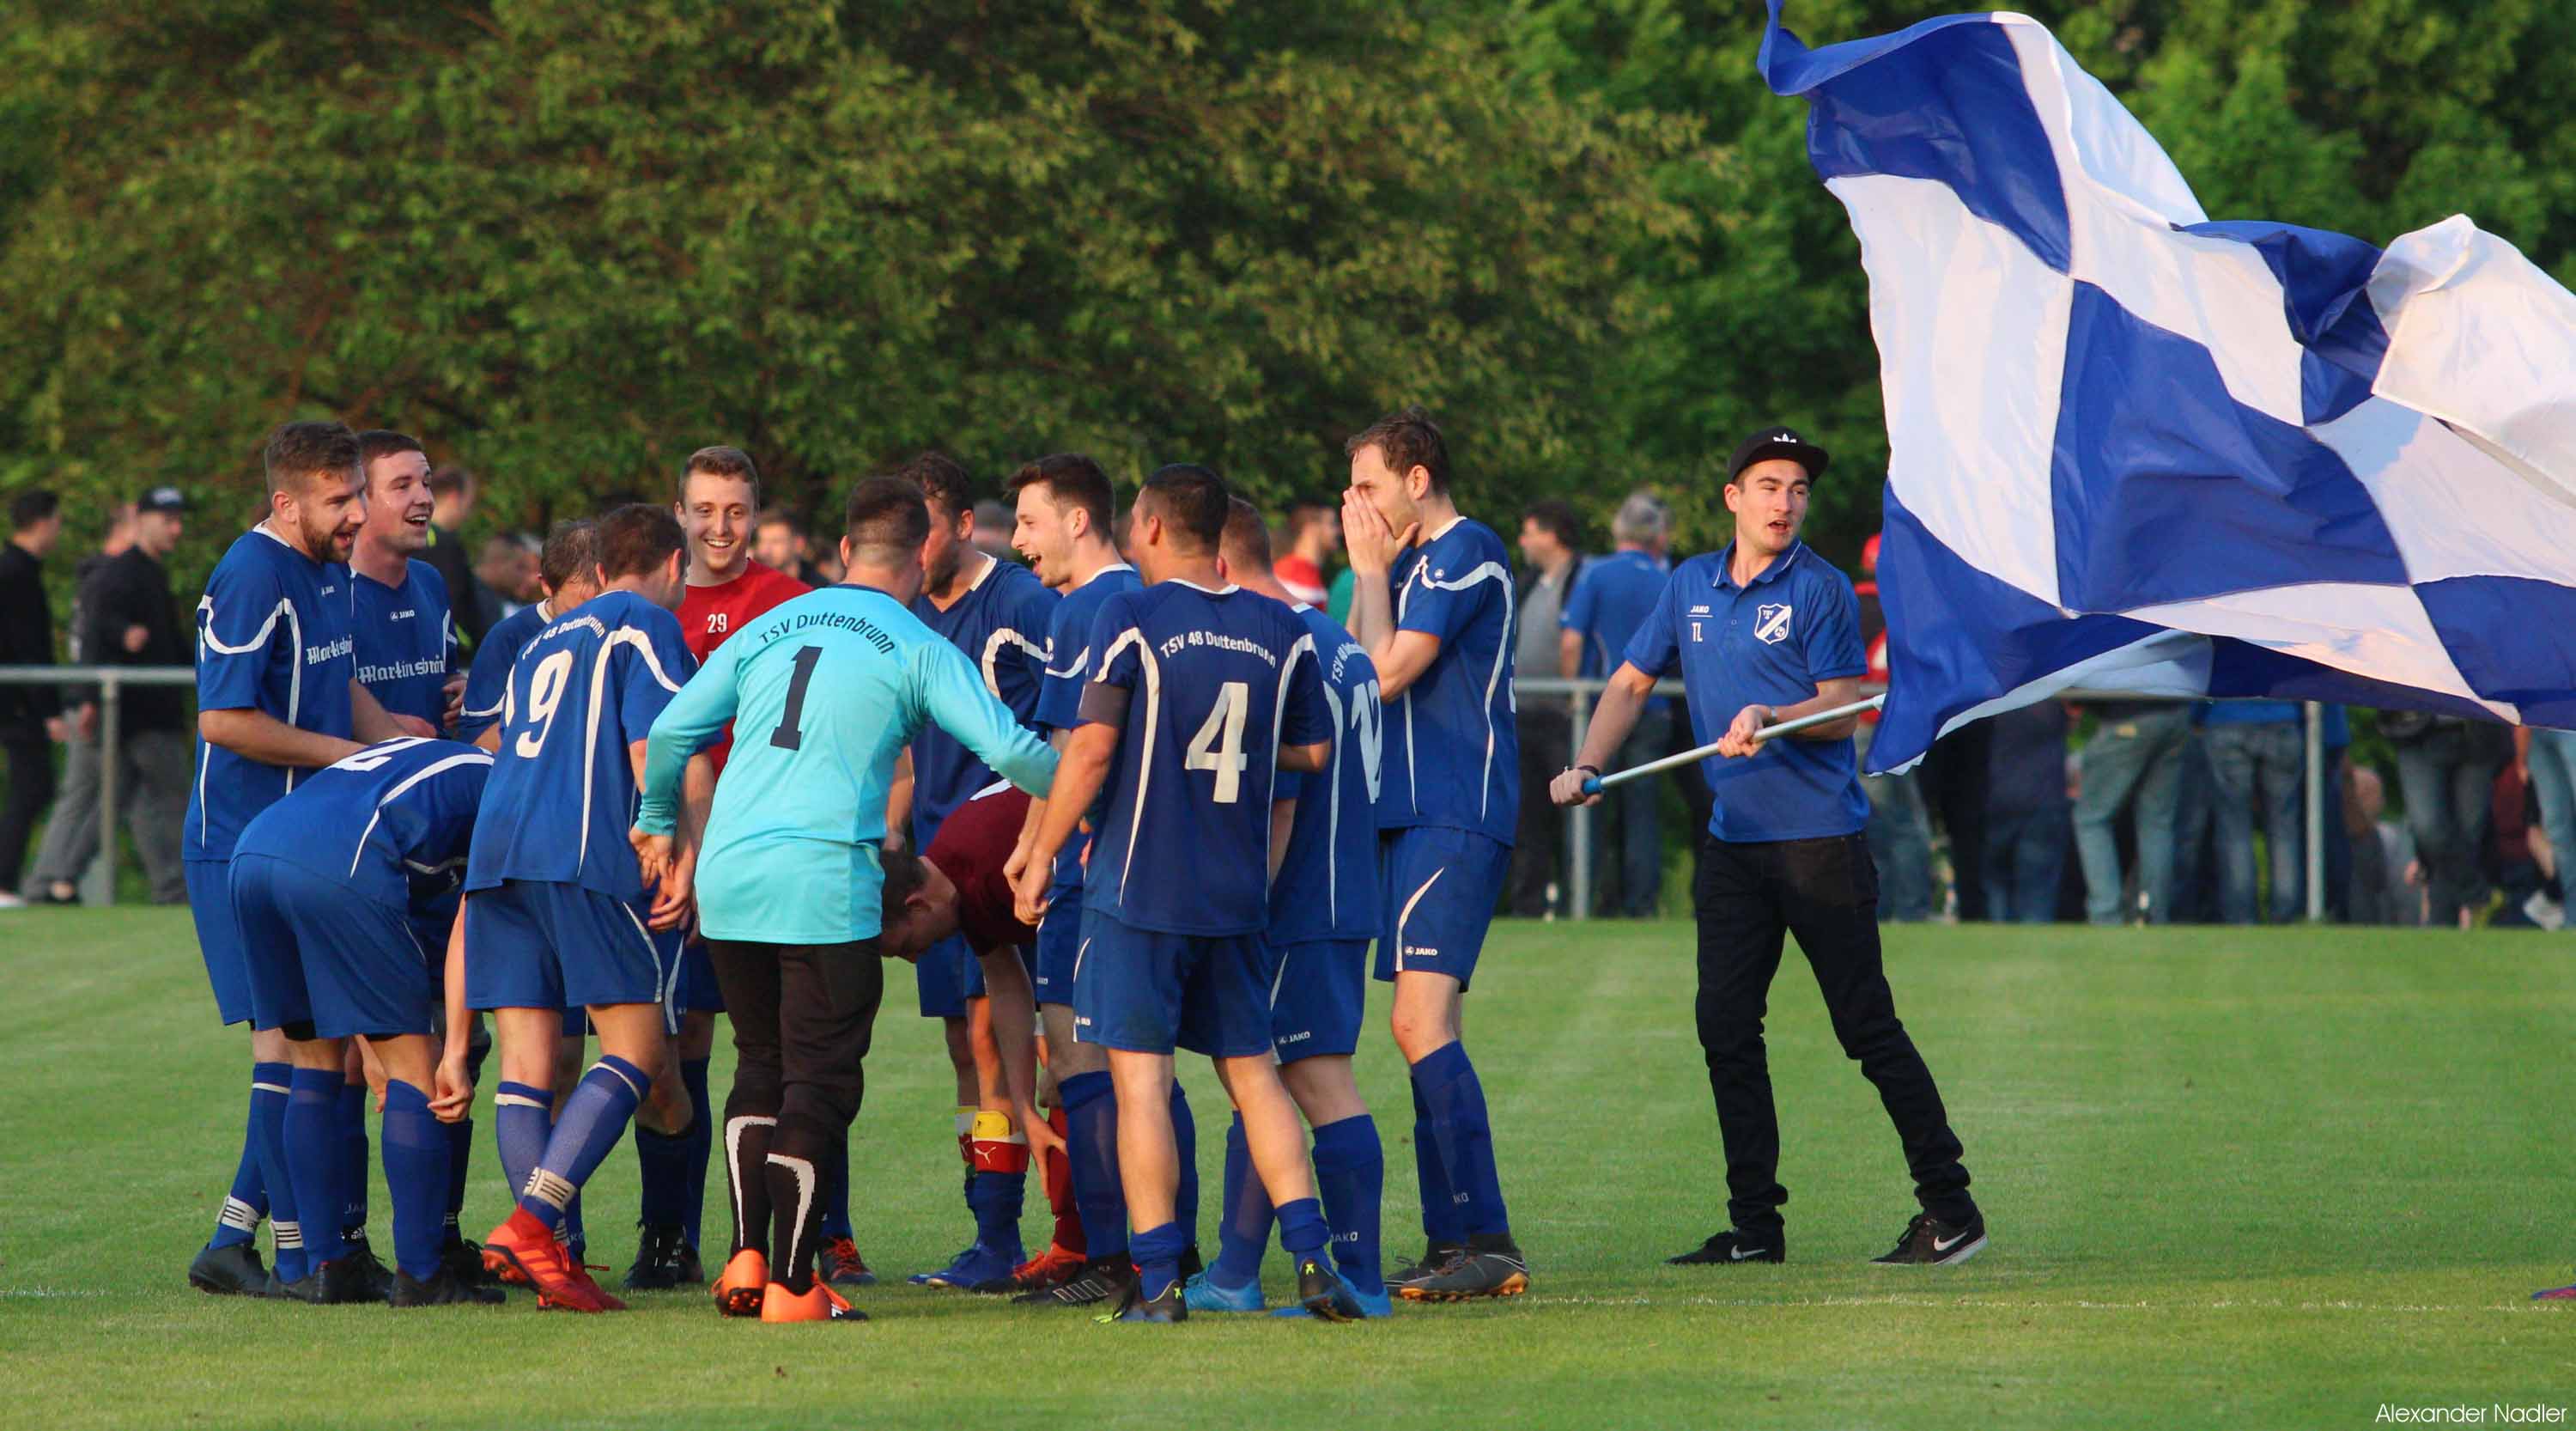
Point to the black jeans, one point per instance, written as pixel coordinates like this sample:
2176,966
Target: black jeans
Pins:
1826,892
31,789
1538,845
802,1017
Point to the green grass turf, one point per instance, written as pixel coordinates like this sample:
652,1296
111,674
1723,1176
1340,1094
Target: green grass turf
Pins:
2235,1179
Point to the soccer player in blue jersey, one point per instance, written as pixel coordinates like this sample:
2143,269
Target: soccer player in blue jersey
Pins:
998,615
277,695
399,613
556,907
1063,525
824,691
1432,603
568,570
1201,692
1323,912
342,891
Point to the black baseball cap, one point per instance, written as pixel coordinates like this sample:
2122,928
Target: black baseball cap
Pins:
1773,442
162,499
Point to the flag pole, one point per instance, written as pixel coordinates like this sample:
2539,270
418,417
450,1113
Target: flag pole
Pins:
1595,784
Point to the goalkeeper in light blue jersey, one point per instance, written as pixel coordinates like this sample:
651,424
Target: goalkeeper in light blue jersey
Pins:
824,692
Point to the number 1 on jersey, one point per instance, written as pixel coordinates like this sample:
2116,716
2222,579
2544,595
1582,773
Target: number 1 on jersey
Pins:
790,734
1224,723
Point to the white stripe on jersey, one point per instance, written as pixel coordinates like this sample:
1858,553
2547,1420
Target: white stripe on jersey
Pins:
1408,914
473,757
1333,813
1044,652
1279,721
1501,576
294,673
1153,707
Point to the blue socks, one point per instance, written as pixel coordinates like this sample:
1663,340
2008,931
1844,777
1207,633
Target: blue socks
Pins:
1157,1251
834,1169
353,1156
416,1178
316,1160
1091,1151
521,1119
460,1163
268,1123
1243,1221
594,1118
247,1203
1451,1135
996,1200
700,1140
1350,1173
1301,1228
1185,1138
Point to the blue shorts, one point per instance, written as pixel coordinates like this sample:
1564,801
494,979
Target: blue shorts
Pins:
698,993
1059,947
1441,888
1149,992
948,974
539,944
210,904
325,961
1318,995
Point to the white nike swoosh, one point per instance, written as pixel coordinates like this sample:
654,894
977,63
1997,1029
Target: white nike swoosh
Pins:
1939,1246
1739,1254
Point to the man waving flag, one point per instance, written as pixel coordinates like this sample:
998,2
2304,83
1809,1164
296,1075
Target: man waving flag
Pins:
2135,448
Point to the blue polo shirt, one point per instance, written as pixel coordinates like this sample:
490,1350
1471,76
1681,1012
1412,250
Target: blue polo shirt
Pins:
1613,596
1770,642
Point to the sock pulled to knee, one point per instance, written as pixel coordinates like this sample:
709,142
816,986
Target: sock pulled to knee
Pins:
246,1204
417,1150
1243,1223
594,1118
353,1156
1451,1102
1091,1143
316,1160
1350,1178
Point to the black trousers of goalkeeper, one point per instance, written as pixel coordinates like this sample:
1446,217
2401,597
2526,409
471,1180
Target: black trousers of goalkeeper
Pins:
1825,891
802,1017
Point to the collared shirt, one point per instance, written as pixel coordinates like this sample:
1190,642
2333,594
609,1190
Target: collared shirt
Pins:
1002,623
1453,752
272,636
1770,642
1612,598
406,643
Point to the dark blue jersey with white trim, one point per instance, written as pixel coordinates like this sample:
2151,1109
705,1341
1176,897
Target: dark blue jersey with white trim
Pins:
1453,757
272,636
1327,885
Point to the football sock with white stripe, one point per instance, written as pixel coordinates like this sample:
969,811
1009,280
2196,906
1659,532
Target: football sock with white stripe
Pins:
1350,1174
1443,1221
1091,1146
1243,1222
594,1118
417,1151
1185,1139
247,1203
353,1156
315,1159
746,1146
1456,1099
521,1117
1157,1251
268,1124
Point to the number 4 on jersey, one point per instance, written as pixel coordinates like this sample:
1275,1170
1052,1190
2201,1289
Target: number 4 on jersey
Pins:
1224,723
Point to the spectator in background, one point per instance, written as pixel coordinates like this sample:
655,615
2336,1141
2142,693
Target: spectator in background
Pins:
125,615
453,492
2516,860
2371,895
506,577
49,883
2134,760
31,717
2027,822
993,523
778,542
1899,829
1612,596
2259,760
2549,765
1549,534
1312,536
2446,769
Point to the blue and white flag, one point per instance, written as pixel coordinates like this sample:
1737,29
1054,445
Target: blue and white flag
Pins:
2132,448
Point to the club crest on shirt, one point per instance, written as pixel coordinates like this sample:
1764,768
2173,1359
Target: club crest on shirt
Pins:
1771,624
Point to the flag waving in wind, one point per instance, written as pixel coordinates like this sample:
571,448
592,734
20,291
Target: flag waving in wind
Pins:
2133,448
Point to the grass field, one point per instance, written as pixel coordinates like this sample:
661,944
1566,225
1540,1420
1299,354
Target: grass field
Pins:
2234,1179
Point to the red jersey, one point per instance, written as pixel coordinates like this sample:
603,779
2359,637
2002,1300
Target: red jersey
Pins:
970,848
709,614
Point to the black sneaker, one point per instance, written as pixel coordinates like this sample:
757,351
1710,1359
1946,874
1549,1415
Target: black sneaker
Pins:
1928,1241
1434,1257
1133,1306
233,1271
340,1282
1323,1293
463,1258
376,1277
659,1264
445,1288
1735,1245
1191,1266
1498,1270
693,1273
1101,1280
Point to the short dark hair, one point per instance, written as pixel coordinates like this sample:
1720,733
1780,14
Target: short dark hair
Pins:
903,875
634,540
942,481
1406,440
28,508
1072,480
1247,536
778,517
1190,499
721,462
572,547
1303,513
887,520
449,480
299,452
378,442
1558,517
